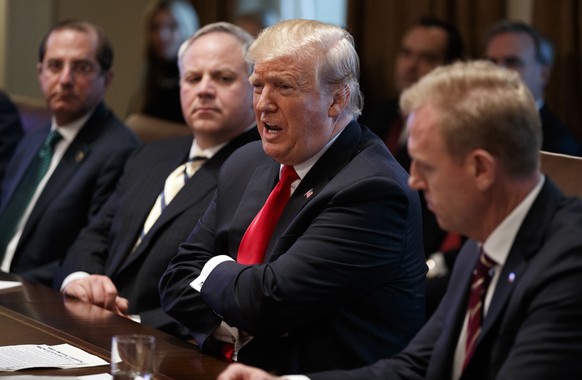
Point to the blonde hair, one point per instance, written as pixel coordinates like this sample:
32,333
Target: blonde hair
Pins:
328,47
482,105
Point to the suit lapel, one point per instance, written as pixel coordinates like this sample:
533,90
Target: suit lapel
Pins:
25,158
193,191
148,188
526,245
328,165
454,312
73,158
196,189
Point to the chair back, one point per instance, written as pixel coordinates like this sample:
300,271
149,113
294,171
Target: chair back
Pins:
564,170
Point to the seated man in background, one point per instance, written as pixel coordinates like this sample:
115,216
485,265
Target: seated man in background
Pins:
62,173
518,46
513,307
118,259
427,44
330,271
10,131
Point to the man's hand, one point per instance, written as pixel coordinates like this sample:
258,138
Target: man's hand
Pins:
98,290
242,372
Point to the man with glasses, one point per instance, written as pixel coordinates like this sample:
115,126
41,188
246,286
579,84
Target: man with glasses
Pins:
520,47
62,173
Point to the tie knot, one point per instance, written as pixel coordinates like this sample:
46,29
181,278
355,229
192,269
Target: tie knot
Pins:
49,144
193,165
52,138
288,174
484,265
486,261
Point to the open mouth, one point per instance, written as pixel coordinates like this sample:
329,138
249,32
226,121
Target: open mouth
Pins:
271,127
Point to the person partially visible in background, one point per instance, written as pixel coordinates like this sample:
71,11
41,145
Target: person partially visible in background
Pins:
167,185
63,171
254,21
10,131
427,44
518,46
168,23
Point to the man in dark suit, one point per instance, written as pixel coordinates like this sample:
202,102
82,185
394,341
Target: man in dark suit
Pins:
339,282
475,135
113,264
10,131
89,149
520,47
427,44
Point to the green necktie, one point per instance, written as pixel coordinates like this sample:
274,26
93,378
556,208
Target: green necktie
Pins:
24,191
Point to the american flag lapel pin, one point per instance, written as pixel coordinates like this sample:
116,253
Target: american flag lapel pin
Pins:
308,194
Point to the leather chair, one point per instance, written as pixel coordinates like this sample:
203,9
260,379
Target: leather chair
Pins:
149,128
34,113
564,170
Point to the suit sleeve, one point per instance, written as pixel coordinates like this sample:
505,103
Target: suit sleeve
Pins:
91,248
10,132
350,241
547,343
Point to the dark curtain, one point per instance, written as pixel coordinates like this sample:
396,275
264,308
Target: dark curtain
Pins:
378,25
560,21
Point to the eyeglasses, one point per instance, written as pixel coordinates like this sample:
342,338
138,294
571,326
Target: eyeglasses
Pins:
81,68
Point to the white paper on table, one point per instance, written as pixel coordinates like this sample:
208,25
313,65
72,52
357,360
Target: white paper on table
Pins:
9,284
14,358
99,376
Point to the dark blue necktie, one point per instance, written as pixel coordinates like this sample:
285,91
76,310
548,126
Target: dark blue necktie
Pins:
24,191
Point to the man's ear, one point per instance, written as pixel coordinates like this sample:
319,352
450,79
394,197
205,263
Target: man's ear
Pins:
340,100
483,168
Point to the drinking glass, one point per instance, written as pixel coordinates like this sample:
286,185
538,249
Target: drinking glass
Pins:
132,357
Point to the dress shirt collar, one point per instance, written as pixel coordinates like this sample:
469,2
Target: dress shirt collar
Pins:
498,244
70,131
303,168
195,150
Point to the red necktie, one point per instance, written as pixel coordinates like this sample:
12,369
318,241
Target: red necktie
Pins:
257,236
481,278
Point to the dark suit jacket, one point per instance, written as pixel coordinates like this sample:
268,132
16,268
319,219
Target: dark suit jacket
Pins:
104,246
342,282
557,137
380,120
10,131
75,192
532,329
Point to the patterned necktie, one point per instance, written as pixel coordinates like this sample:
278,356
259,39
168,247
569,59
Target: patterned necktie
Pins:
174,183
25,190
481,279
257,236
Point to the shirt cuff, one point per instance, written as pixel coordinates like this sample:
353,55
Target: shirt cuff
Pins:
295,377
72,277
208,268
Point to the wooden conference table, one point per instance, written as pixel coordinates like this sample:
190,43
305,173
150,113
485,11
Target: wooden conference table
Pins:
35,314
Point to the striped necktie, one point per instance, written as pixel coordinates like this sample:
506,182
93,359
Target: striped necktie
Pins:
23,193
482,275
174,183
